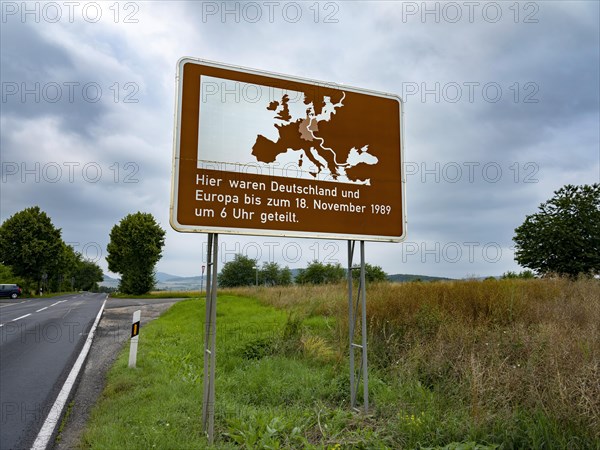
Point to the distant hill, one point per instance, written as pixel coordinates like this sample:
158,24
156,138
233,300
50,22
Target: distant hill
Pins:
169,282
162,277
109,282
402,278
164,282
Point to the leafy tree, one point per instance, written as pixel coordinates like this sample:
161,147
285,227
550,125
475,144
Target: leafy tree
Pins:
7,276
525,275
77,272
88,275
269,274
239,272
66,265
272,274
563,237
319,273
372,274
285,277
134,249
30,244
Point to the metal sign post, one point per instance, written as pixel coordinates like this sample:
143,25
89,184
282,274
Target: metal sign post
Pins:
353,310
346,179
210,338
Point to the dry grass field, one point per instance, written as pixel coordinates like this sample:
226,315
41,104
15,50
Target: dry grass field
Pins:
498,348
461,365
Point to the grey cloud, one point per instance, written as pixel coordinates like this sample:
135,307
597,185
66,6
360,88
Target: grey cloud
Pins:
370,46
29,69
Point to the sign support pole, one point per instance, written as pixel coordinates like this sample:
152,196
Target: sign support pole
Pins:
353,310
351,323
210,338
363,283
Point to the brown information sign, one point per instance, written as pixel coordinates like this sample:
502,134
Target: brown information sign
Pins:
266,154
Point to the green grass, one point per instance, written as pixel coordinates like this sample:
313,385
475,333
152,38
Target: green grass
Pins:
282,382
54,294
64,421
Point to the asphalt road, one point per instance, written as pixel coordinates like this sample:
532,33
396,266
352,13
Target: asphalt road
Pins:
40,340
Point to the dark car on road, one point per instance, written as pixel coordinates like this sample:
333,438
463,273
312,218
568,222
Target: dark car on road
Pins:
10,290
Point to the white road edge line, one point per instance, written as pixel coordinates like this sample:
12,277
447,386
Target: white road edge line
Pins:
39,310
43,438
22,317
13,304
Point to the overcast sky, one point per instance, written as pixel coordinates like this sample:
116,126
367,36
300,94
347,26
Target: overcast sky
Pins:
501,109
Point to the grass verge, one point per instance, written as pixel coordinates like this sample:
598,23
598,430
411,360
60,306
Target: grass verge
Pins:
282,376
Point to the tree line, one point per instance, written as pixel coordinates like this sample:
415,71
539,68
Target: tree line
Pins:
34,255
562,238
244,271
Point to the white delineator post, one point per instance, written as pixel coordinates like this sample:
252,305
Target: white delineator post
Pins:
135,336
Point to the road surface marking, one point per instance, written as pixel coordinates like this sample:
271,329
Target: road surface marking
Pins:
57,302
40,310
53,418
14,304
22,317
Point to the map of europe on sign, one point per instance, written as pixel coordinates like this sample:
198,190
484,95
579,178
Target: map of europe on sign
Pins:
276,131
260,153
